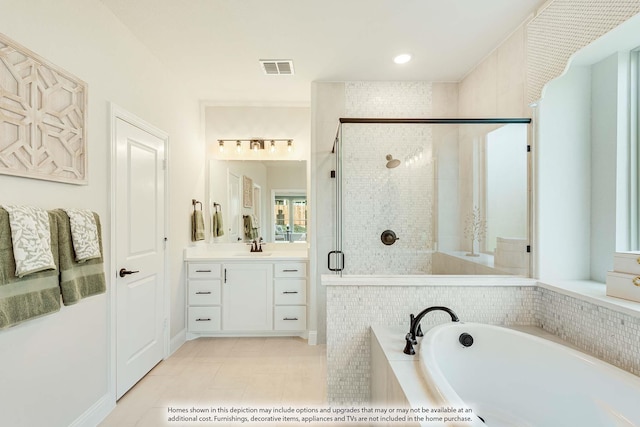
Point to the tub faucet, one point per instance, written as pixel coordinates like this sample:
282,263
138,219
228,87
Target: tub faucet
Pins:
415,329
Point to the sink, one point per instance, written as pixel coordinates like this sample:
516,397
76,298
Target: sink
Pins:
251,254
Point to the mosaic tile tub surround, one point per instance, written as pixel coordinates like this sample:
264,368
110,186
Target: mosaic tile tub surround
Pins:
609,335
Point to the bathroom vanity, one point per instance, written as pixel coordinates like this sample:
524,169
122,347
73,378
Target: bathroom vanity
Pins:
246,294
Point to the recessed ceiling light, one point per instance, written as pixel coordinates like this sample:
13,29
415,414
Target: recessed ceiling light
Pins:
402,59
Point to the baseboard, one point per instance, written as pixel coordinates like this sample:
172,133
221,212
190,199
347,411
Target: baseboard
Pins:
96,413
313,338
177,341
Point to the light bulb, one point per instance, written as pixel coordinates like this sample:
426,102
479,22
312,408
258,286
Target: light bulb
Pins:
238,146
289,145
221,146
273,147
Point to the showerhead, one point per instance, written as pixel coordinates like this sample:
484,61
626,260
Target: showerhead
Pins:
391,162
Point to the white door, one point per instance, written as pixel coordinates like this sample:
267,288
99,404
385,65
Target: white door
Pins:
247,297
235,208
139,257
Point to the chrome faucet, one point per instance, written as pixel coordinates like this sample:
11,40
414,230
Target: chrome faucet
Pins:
415,329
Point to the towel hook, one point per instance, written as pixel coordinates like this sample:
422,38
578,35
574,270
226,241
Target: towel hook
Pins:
217,206
194,202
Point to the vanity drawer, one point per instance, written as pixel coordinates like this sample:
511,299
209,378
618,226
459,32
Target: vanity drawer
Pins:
626,286
290,269
290,318
204,270
204,292
627,262
204,319
290,291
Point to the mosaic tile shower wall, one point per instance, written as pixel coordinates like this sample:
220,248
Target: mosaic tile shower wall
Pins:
609,335
376,198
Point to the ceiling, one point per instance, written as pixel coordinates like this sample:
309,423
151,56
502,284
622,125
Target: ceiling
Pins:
214,46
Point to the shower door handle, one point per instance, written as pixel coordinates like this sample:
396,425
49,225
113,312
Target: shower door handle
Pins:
339,265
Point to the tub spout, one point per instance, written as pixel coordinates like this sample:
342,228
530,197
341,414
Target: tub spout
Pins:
415,329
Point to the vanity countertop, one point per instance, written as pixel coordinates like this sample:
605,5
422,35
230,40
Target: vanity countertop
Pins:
244,254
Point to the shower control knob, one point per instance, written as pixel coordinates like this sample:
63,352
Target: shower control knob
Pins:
388,237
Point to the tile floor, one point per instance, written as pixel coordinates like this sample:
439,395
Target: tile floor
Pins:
226,371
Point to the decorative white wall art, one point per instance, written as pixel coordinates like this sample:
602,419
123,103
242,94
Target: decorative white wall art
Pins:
247,192
43,116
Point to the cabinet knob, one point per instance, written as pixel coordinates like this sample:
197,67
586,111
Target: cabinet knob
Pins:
636,281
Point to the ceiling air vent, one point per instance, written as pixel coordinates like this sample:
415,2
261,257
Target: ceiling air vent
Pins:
277,67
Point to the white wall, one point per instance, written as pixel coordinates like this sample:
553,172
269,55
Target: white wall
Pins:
563,157
56,367
604,117
328,104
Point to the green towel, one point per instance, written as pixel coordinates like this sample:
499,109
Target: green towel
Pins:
33,295
250,232
217,228
197,226
77,280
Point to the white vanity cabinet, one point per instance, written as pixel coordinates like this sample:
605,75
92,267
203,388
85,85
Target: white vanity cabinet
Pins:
240,297
247,297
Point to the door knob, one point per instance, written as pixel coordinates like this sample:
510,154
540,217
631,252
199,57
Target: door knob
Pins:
124,272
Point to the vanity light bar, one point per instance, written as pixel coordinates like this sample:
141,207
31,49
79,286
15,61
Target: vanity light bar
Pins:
256,144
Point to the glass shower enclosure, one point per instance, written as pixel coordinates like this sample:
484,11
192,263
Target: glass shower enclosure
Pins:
432,196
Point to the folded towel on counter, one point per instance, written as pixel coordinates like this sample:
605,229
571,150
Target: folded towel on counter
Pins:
217,228
197,226
250,230
31,238
31,296
84,234
78,280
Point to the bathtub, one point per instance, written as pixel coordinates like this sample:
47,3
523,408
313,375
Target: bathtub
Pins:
511,378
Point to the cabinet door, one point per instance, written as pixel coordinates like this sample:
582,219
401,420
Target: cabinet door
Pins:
247,297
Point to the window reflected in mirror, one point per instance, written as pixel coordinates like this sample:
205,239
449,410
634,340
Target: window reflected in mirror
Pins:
290,213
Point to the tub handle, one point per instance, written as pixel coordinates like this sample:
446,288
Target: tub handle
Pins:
636,281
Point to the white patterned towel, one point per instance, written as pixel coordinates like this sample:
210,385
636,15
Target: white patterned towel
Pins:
31,239
84,234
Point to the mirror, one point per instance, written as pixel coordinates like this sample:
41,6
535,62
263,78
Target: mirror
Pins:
259,199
